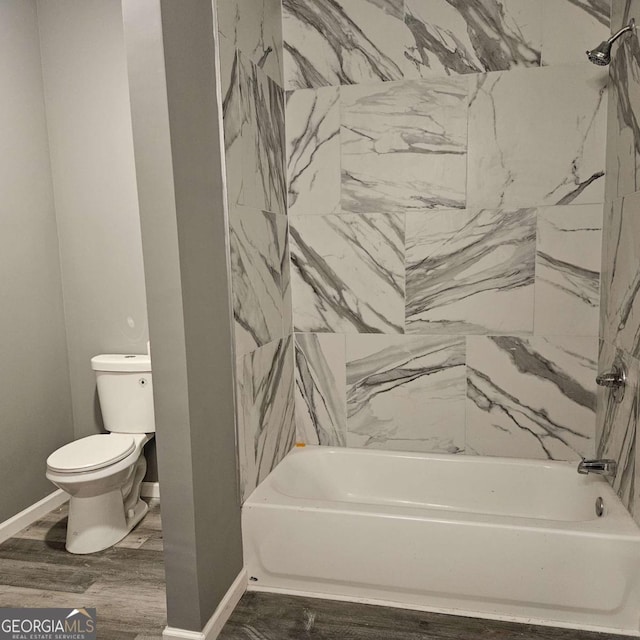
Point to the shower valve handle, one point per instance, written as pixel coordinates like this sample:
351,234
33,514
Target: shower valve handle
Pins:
615,380
611,379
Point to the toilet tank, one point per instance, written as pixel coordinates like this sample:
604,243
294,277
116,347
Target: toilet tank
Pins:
125,390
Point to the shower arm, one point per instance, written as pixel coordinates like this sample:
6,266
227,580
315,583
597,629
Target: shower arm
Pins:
630,27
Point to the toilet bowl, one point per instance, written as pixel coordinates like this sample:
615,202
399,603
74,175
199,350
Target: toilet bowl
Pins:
103,473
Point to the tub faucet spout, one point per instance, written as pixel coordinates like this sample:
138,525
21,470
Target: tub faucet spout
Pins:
600,467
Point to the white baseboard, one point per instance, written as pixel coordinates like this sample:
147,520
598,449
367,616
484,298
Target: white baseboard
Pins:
215,623
28,516
150,490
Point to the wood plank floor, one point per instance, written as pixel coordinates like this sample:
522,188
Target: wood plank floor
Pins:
266,616
125,583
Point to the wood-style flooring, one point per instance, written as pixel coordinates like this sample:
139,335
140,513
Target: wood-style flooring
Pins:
125,583
266,616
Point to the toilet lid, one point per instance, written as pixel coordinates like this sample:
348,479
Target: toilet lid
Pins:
92,452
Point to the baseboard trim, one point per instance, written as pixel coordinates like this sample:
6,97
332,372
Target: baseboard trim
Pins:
150,490
28,516
215,623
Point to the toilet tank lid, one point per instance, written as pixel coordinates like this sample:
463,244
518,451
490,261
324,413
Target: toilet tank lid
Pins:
121,362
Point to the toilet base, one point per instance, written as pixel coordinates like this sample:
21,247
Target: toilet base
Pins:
99,522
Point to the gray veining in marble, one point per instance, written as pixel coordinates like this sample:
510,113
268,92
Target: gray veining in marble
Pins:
623,148
348,273
255,28
621,275
406,393
470,36
568,260
263,140
537,137
266,408
470,271
570,27
320,389
404,146
600,10
333,42
313,150
531,398
253,116
258,256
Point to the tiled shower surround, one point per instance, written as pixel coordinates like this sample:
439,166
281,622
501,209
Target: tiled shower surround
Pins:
445,188
254,134
620,311
428,223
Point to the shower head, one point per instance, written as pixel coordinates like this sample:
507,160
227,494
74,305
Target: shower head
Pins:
601,55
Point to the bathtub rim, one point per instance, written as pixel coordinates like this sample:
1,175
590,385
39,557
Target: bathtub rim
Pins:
619,524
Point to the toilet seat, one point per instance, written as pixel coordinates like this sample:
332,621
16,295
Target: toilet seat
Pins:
91,453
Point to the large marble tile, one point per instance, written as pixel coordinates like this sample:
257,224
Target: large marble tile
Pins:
287,298
265,410
570,27
623,133
320,396
334,42
531,398
470,271
621,274
255,28
236,123
258,251
348,273
227,56
537,137
471,36
404,145
616,425
406,393
313,150
568,270
260,166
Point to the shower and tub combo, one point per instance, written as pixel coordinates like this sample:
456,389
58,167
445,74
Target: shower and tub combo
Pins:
543,542
531,541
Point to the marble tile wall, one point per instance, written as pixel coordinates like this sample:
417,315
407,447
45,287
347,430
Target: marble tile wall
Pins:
250,53
617,424
445,163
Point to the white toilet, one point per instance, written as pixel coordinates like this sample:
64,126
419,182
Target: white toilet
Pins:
103,473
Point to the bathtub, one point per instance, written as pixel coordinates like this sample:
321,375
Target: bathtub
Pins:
488,537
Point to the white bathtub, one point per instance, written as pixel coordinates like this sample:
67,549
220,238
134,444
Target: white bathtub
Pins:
489,537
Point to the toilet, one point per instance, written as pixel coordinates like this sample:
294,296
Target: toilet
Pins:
103,473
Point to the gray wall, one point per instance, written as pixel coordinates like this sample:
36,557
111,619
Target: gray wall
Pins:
89,119
88,114
178,162
35,403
